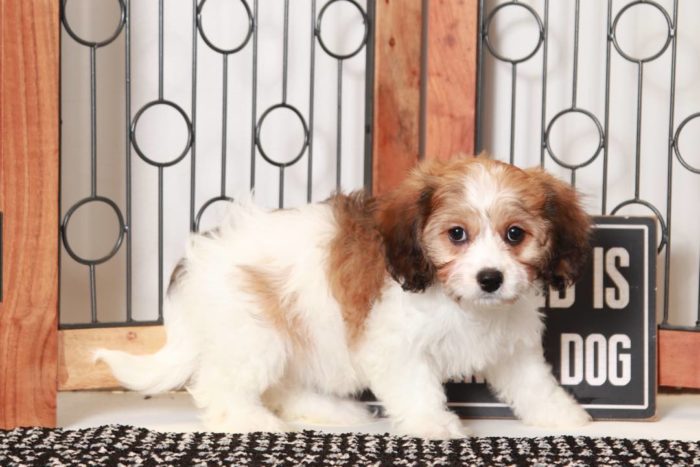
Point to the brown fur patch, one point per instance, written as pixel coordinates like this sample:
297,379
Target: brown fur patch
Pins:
401,216
356,270
276,309
570,230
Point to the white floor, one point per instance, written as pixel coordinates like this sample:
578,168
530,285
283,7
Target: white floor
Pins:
678,417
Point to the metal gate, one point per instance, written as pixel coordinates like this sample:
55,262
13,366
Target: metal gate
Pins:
171,108
602,94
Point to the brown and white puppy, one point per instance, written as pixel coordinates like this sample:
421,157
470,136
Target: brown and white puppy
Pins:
283,315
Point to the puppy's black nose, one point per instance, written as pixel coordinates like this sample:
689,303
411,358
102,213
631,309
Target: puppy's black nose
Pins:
489,279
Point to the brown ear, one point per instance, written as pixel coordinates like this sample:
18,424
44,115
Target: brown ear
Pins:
570,228
401,216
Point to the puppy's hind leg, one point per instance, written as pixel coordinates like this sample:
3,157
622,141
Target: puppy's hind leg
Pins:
248,343
241,360
229,389
295,404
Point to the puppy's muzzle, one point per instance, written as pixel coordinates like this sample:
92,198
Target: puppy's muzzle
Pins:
489,279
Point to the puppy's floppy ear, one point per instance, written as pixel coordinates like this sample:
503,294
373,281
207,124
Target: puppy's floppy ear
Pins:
401,216
570,229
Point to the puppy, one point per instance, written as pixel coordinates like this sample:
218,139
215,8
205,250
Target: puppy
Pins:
283,315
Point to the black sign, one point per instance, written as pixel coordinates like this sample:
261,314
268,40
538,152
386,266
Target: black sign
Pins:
600,334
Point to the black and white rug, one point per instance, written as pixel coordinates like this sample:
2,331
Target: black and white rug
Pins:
117,445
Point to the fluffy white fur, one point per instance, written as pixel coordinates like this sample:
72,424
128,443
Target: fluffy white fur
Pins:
249,376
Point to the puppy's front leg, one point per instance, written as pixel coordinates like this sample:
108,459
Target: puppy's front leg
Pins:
415,400
525,381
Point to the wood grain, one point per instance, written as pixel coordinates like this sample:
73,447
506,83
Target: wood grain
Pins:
451,78
679,359
76,369
397,63
29,171
450,88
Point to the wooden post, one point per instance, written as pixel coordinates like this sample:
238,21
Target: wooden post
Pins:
397,60
451,78
449,88
679,364
29,171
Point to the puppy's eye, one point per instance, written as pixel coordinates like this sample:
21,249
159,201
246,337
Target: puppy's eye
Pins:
457,235
515,235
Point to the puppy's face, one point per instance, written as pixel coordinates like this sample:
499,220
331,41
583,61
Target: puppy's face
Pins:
486,231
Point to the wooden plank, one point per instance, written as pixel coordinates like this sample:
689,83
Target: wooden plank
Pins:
29,168
679,364
397,63
450,88
451,78
76,369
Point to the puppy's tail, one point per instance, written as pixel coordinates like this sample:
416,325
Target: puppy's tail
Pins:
169,368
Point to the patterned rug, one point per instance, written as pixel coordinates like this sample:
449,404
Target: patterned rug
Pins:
117,445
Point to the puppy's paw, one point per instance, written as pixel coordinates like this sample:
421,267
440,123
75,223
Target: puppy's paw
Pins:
329,412
561,411
249,421
440,425
249,426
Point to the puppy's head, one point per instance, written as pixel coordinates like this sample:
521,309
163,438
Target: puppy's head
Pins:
484,230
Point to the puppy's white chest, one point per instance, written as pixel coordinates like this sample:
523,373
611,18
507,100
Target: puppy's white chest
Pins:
464,343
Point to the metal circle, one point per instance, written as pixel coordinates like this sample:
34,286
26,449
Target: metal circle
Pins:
200,27
66,220
204,207
669,35
487,26
664,230
677,150
184,116
601,138
80,40
258,130
317,31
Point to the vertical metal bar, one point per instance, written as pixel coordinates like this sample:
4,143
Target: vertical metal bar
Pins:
93,121
193,112
285,57
285,51
61,171
369,96
574,85
281,188
669,175
93,168
604,201
423,92
339,127
478,139
254,85
161,55
93,294
514,77
544,83
573,177
638,145
160,243
312,81
127,111
224,121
